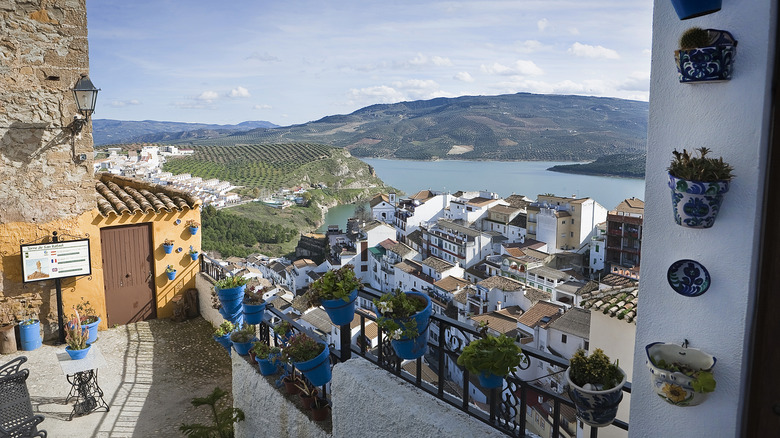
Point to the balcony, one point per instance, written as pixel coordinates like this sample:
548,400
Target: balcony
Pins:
365,388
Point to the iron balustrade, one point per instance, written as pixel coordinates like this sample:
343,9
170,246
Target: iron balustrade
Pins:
506,407
212,268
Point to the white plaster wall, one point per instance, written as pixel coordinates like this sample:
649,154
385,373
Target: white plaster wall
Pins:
205,285
267,411
369,401
732,119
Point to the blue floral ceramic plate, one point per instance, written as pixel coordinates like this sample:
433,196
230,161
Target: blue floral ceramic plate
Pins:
688,277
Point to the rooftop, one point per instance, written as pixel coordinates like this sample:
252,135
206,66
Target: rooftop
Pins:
631,205
437,264
574,321
451,284
505,284
502,321
541,314
119,195
619,302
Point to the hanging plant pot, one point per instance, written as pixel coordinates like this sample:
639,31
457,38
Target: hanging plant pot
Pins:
92,329
193,230
317,370
253,313
341,312
30,334
171,274
168,248
194,256
712,63
77,354
681,376
414,347
490,380
596,408
696,204
695,8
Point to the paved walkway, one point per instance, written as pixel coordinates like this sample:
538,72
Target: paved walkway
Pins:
154,369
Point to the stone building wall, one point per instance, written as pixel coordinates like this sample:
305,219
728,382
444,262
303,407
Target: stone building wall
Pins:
44,50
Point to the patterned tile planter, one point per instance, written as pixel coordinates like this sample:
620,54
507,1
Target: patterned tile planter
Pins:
676,387
596,408
696,204
713,63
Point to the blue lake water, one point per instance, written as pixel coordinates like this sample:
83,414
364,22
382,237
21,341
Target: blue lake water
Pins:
529,178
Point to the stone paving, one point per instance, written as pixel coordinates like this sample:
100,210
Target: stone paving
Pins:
154,369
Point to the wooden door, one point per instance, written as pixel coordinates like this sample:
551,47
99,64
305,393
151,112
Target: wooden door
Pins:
128,274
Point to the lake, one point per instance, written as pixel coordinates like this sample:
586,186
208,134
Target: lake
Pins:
529,178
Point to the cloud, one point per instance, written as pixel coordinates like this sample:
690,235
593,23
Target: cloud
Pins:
378,94
521,67
262,107
123,103
263,57
574,31
239,92
208,96
422,60
636,81
398,91
542,24
588,51
463,76
529,46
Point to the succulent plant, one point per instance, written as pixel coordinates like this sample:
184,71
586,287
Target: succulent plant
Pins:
595,369
694,37
686,165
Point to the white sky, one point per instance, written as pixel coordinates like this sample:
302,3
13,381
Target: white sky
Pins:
294,61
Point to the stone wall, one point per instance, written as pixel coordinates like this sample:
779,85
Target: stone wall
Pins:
44,50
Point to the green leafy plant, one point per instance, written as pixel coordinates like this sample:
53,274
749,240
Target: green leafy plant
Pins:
283,328
76,336
265,351
398,306
254,296
224,417
333,285
231,282
491,355
301,347
170,268
224,328
703,381
595,369
88,314
693,38
193,251
245,334
688,166
192,223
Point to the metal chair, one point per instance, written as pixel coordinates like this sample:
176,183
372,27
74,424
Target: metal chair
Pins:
17,419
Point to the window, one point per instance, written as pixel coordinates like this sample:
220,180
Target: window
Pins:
364,268
571,233
587,345
563,222
563,338
572,220
597,248
594,261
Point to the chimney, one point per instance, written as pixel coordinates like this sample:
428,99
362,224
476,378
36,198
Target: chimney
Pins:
498,305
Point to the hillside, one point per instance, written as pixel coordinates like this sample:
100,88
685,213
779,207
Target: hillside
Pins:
107,131
508,127
625,165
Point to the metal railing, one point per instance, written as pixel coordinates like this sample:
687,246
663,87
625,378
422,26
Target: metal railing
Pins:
212,268
505,409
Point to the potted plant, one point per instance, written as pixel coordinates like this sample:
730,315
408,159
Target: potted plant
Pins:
170,272
695,8
698,184
76,338
682,376
243,338
193,226
193,253
266,357
89,319
30,334
307,393
705,55
404,316
284,330
319,409
168,246
254,305
310,357
230,291
222,334
290,382
595,386
491,358
336,291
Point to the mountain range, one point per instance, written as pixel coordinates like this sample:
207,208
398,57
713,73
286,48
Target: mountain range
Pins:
518,126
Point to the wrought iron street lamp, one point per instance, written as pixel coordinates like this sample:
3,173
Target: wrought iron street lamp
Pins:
86,96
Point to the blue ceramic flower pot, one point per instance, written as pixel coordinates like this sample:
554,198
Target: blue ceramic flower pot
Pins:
267,367
316,370
490,380
253,313
413,348
30,334
341,312
696,204
242,348
168,248
695,8
92,329
194,256
171,275
231,298
193,230
224,340
78,354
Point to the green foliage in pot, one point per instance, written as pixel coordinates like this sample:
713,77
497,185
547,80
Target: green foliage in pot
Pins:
283,328
231,282
397,305
301,347
333,285
224,328
595,369
87,312
688,166
254,296
245,334
170,268
703,381
491,355
693,38
265,351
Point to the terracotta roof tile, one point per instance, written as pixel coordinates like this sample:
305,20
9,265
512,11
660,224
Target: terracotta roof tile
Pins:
539,311
118,195
616,302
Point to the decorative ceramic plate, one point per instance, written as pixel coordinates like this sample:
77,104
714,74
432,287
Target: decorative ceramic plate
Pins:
688,277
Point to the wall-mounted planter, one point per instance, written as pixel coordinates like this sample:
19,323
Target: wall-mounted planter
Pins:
171,274
696,204
695,8
712,63
168,248
193,230
681,376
